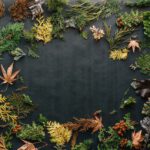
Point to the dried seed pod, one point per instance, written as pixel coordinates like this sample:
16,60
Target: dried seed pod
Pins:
2,8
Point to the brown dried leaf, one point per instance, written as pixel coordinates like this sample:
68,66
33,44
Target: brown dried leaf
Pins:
137,138
27,146
2,144
19,10
8,77
82,124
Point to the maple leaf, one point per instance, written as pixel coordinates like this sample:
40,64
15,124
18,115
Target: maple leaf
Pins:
137,138
2,144
27,146
133,44
9,77
83,124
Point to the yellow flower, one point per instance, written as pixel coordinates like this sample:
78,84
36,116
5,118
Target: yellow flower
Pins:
121,54
43,30
58,133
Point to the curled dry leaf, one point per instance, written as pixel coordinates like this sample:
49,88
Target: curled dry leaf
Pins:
133,44
142,87
83,124
2,144
27,146
137,139
9,77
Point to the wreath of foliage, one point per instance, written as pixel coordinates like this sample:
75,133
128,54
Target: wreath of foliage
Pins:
62,14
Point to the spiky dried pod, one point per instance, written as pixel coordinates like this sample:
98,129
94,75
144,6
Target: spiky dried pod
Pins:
2,8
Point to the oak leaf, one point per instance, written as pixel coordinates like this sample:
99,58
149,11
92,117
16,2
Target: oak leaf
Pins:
9,77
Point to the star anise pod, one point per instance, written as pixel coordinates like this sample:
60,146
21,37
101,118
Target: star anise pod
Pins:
83,124
27,146
9,77
137,139
133,44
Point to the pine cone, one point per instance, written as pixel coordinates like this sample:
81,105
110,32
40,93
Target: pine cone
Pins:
2,8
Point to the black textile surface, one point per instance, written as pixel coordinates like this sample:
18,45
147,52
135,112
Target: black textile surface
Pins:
75,77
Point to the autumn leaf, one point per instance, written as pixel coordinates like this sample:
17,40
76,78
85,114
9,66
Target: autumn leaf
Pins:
83,124
9,77
133,44
137,138
27,146
2,144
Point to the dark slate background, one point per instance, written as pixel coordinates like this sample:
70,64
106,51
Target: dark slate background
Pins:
75,77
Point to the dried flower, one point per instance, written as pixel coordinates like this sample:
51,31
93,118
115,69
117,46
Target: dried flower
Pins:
43,29
120,127
133,44
97,32
9,77
58,133
137,138
19,10
2,8
121,54
83,124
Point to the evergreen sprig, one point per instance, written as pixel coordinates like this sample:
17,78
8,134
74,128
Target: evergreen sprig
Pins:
33,132
146,22
143,63
138,3
10,36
